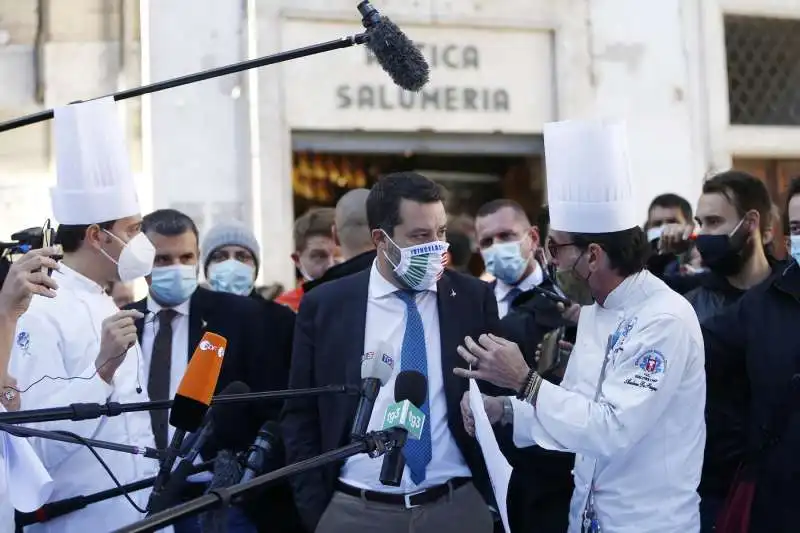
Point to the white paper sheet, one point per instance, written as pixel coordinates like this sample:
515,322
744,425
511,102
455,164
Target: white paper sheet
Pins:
26,481
496,463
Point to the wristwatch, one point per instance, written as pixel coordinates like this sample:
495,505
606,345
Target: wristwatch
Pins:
508,412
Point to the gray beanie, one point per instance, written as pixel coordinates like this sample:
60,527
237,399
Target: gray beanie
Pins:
232,233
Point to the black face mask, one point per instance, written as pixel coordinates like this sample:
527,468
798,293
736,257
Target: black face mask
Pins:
724,254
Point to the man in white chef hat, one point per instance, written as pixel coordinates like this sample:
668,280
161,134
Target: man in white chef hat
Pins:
78,346
632,399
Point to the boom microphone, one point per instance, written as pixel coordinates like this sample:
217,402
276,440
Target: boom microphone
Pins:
376,370
410,391
394,51
192,400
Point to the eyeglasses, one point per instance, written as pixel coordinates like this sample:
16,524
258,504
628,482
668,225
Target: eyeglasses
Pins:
553,247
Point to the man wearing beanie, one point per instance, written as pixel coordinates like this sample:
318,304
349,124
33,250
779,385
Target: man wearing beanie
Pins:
230,259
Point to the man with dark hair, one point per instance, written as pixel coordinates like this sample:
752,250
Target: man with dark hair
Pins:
666,209
179,313
79,338
314,251
754,397
408,300
733,214
632,399
351,233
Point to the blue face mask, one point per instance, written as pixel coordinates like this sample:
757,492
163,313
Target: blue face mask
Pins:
504,261
795,248
174,284
231,276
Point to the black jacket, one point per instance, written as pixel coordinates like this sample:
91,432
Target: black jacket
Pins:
353,265
541,483
753,406
328,343
713,293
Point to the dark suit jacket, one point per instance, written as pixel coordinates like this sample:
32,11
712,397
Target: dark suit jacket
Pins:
328,344
255,355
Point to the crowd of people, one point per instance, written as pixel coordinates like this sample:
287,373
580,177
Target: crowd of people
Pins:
639,378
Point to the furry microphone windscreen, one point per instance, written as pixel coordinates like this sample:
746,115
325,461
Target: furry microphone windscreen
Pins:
397,55
227,473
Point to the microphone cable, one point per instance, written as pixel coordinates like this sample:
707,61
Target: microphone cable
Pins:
94,374
105,466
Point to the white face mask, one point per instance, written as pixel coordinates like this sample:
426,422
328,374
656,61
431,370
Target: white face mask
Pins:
653,234
420,266
136,259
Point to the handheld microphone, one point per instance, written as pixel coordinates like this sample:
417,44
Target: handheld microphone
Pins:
190,449
267,444
192,400
410,391
395,52
376,370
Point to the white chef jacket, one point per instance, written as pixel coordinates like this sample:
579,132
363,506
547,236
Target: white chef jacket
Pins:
60,337
640,443
24,482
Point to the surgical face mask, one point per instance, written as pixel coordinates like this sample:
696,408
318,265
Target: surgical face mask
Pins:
417,267
574,286
136,259
723,254
174,284
232,276
504,261
795,248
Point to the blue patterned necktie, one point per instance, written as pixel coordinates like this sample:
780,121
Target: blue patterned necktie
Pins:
414,356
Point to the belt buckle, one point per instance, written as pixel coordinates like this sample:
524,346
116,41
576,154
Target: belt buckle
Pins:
407,499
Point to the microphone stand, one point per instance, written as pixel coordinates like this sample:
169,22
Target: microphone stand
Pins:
375,443
150,453
87,411
342,42
52,510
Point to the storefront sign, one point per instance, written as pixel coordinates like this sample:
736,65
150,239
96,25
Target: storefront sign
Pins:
481,81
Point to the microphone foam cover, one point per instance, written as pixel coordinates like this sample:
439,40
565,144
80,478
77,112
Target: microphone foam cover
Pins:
378,364
228,417
397,55
412,386
197,386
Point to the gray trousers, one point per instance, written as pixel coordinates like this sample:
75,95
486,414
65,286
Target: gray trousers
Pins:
462,511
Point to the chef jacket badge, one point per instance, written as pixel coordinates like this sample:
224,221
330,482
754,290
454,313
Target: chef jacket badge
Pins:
650,366
24,341
621,334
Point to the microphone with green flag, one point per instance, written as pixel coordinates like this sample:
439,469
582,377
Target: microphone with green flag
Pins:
410,391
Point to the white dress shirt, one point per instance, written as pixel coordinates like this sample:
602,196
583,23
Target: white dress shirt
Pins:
180,345
502,289
60,337
639,441
386,321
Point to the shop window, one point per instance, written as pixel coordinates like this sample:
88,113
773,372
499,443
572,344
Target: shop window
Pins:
320,179
763,60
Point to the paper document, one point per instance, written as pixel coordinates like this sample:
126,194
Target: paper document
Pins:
26,481
499,469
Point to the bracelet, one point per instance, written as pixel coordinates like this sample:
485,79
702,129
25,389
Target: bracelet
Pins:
522,393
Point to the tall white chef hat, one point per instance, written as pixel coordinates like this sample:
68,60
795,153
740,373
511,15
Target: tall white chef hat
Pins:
589,182
94,179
